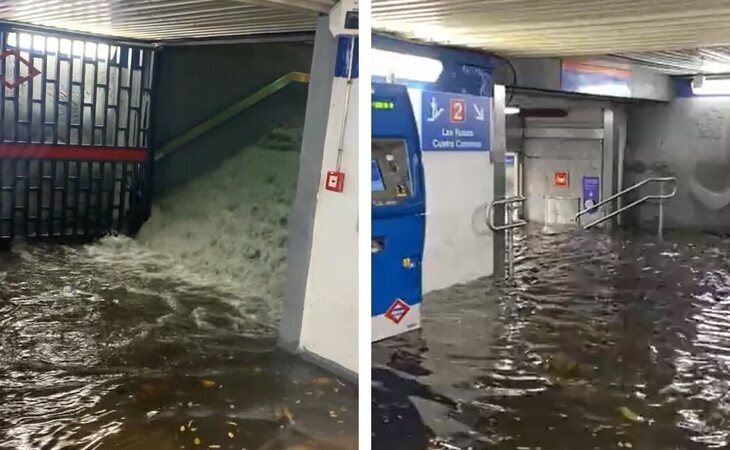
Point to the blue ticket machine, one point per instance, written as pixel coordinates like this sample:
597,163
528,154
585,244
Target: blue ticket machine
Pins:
398,208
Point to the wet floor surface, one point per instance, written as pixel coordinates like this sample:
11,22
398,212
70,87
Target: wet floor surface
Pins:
600,342
107,346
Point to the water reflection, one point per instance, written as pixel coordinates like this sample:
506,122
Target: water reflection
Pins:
601,341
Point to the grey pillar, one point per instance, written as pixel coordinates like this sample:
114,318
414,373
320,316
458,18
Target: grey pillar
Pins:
498,154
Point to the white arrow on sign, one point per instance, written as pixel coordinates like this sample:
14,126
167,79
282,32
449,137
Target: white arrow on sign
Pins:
479,113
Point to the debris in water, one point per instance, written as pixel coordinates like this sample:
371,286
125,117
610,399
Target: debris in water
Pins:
441,445
230,434
182,428
322,381
147,392
630,415
207,383
196,441
563,367
284,413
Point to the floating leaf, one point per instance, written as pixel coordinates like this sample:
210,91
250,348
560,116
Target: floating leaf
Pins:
207,383
630,415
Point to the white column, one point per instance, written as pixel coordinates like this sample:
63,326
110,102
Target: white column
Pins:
319,318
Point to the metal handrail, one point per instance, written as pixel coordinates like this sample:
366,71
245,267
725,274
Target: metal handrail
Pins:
510,202
661,197
230,112
518,199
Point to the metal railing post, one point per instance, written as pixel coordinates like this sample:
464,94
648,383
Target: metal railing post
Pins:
661,212
508,228
508,236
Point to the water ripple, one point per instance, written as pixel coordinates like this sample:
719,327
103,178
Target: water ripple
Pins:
600,342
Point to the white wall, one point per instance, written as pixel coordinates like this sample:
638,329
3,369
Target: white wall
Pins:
544,156
688,138
459,246
581,155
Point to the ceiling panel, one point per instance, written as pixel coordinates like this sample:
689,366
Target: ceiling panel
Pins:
559,27
160,20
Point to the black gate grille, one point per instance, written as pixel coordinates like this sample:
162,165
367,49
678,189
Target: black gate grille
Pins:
74,131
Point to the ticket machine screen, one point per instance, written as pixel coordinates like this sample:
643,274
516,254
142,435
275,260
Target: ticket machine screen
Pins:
390,167
377,179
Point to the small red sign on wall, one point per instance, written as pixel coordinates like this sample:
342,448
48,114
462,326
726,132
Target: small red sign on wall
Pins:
560,179
335,181
397,311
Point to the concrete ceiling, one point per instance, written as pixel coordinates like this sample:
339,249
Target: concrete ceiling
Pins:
163,20
559,27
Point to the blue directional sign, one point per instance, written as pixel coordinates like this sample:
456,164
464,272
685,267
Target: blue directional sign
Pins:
454,122
591,192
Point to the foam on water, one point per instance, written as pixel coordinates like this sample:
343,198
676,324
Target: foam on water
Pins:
227,228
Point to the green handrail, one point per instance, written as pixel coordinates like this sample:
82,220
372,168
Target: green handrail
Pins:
230,112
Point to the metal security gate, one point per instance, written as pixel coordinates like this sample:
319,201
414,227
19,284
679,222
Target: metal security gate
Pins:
74,133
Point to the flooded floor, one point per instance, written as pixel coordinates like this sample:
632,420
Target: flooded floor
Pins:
600,342
111,346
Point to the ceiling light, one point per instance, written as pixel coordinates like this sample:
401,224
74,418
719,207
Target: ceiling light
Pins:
711,86
714,67
402,66
511,110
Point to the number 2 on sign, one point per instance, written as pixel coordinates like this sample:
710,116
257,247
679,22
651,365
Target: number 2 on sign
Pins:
457,110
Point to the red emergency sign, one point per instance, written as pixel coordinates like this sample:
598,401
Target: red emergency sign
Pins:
335,181
560,179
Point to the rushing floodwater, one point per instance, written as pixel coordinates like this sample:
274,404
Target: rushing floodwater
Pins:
168,341
600,342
